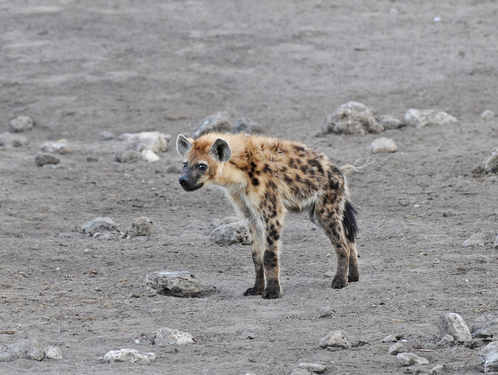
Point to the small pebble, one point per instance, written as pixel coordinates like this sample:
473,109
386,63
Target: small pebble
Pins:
46,159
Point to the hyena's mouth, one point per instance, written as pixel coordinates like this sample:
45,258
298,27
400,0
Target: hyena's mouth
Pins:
192,188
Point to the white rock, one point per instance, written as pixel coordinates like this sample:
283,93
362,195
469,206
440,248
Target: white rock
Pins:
127,156
485,326
13,140
167,336
24,349
231,233
491,163
389,122
149,155
389,338
178,284
246,126
352,118
129,355
438,370
106,136
300,371
57,147
53,352
218,122
383,145
477,239
487,115
316,368
21,124
335,340
454,325
489,355
408,359
446,340
427,117
141,226
154,141
99,225
397,348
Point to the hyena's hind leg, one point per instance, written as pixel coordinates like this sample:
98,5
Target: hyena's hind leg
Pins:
330,215
351,229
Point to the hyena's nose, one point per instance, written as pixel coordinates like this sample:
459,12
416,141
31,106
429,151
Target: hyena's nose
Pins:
183,182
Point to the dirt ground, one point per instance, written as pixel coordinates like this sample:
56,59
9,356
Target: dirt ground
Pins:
81,67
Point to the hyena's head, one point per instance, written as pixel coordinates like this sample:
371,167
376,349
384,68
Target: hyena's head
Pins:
203,158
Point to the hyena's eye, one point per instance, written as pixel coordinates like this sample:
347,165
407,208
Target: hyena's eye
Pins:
202,166
185,164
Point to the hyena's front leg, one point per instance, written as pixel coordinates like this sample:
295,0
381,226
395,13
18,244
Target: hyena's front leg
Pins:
256,229
257,235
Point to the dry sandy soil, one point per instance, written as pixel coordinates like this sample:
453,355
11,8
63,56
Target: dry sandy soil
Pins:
81,67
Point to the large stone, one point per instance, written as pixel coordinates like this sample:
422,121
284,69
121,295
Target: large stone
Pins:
491,163
485,326
352,118
149,155
477,239
177,284
382,145
24,349
438,370
46,159
56,147
335,340
231,233
489,355
99,225
141,226
246,126
53,352
218,122
127,156
316,368
454,325
487,115
420,118
167,336
154,141
409,359
106,136
389,122
129,355
21,124
13,140
301,371
397,348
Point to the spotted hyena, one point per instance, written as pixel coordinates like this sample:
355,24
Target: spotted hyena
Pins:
265,178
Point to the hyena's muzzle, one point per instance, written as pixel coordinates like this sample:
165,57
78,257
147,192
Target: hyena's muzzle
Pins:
190,179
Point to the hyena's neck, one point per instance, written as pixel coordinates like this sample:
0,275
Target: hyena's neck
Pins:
230,177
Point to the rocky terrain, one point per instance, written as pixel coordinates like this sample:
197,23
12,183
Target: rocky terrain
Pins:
109,267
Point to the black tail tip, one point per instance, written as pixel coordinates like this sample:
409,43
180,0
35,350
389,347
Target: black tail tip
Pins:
349,222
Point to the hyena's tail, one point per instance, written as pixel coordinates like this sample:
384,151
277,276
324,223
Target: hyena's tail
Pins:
349,222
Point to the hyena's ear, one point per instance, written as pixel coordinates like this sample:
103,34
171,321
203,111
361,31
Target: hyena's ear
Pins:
220,150
183,145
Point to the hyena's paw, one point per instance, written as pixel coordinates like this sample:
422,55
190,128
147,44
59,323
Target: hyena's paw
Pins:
353,277
339,282
272,293
253,292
